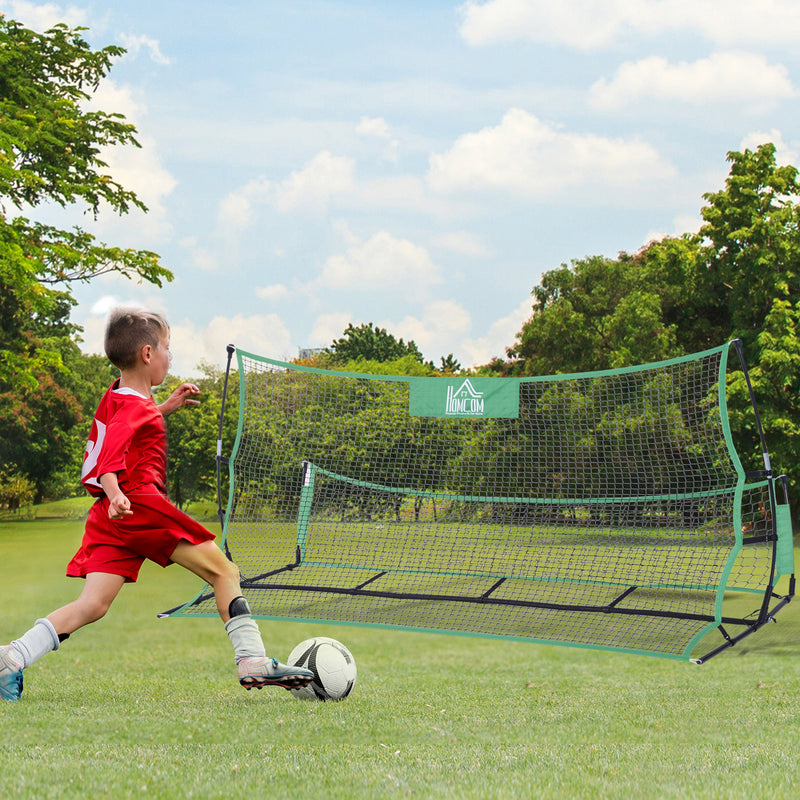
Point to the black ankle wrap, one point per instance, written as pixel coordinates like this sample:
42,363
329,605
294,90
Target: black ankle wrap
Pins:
238,606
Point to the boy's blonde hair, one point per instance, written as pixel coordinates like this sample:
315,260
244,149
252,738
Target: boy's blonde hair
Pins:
129,330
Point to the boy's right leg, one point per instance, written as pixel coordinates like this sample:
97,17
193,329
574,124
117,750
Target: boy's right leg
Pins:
255,668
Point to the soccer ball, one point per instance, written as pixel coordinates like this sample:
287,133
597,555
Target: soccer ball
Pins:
333,666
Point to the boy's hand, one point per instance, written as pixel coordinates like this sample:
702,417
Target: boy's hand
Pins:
182,396
119,506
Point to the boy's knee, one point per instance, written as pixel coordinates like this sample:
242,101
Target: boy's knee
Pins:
226,570
95,609
97,612
232,571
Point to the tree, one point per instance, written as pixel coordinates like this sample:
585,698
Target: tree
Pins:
45,429
677,295
50,150
450,365
751,253
51,147
405,365
751,283
597,313
370,343
739,277
775,380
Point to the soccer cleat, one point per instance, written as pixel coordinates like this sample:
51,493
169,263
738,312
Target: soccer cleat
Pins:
10,675
258,671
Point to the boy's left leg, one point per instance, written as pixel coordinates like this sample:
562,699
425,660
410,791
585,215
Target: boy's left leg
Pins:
255,668
98,593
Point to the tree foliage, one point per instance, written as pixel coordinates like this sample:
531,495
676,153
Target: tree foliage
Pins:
51,150
52,146
738,277
750,245
370,343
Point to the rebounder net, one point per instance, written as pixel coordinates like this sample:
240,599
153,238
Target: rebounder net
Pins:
606,510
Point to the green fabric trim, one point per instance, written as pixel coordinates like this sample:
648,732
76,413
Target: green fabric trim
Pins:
304,509
550,501
699,638
784,556
740,482
533,379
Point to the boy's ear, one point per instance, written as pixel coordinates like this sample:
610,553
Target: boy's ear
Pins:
146,353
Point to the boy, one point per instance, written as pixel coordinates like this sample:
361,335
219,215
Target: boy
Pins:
125,468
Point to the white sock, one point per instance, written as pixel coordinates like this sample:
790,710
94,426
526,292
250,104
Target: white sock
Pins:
37,642
245,637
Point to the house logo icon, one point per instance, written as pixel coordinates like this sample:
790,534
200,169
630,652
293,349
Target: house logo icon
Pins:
464,401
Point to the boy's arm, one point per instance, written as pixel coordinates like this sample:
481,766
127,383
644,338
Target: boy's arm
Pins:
182,396
118,504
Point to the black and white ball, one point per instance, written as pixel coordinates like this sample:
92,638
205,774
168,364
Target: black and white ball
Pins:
333,666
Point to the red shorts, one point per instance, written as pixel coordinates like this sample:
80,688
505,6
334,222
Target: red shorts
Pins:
120,546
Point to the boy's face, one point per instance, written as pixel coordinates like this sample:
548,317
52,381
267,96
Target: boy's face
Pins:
159,361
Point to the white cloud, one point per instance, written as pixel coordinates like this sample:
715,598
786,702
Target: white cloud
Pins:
329,327
405,193
526,156
442,323
135,44
378,128
741,78
200,257
191,344
43,16
501,334
445,327
464,243
276,291
308,189
104,305
687,223
235,212
313,186
94,323
579,23
136,168
373,126
683,223
588,24
381,263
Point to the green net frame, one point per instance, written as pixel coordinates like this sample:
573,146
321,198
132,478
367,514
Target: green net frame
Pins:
604,510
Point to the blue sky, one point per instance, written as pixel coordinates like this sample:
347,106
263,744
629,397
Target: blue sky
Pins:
417,165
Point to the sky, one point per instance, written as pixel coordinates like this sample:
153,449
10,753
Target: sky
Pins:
416,164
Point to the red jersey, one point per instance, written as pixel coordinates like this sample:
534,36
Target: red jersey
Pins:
128,436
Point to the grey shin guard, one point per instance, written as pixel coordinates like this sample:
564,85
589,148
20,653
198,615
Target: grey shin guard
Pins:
37,642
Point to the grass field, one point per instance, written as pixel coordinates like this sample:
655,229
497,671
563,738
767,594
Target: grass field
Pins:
134,706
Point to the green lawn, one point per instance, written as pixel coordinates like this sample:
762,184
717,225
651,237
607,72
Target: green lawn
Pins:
134,706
